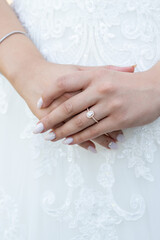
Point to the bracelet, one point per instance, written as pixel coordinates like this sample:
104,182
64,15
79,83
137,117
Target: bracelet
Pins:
9,34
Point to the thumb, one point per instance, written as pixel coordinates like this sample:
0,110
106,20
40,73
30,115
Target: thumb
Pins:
110,67
121,69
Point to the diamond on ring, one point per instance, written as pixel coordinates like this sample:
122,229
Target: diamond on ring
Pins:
90,114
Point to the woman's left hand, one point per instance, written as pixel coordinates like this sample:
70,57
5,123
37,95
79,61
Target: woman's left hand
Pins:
119,100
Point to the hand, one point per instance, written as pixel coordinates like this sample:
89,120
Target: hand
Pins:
119,100
105,141
58,115
108,141
39,78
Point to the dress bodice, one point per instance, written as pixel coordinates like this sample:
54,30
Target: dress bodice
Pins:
94,32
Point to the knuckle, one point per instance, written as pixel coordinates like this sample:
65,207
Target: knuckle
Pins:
61,133
110,86
79,121
116,105
93,132
106,87
68,108
48,122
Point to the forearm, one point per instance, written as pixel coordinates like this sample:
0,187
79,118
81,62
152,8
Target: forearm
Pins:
17,52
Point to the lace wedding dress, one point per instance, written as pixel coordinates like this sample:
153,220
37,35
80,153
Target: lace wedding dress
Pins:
52,191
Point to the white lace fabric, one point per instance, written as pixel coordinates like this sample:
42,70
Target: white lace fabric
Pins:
61,192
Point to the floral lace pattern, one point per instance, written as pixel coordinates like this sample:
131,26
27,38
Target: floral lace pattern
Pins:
95,213
72,31
140,149
93,32
9,219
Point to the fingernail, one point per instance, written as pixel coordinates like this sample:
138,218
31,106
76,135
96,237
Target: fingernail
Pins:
120,138
112,145
40,103
50,136
92,149
39,128
68,140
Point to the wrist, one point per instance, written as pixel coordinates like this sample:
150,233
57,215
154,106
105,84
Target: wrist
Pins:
27,81
17,52
19,59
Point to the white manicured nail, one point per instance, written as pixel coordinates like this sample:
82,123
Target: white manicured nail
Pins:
112,145
92,149
68,140
121,138
50,136
40,103
39,128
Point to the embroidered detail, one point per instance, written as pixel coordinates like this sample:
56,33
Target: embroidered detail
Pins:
9,220
107,31
140,147
95,213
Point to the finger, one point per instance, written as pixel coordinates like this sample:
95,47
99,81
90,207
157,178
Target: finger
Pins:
106,142
122,69
80,122
104,126
57,102
88,145
117,136
112,139
68,109
65,84
61,86
130,69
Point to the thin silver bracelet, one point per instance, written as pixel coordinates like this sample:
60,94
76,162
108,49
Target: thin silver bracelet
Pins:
9,34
